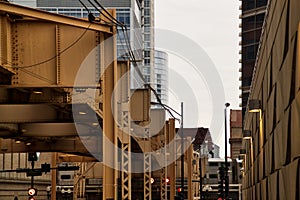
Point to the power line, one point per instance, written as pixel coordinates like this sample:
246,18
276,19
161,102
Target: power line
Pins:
58,54
131,54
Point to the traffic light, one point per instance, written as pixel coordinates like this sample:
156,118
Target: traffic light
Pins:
32,157
177,198
220,189
221,182
179,193
152,180
45,167
31,193
179,190
167,180
222,173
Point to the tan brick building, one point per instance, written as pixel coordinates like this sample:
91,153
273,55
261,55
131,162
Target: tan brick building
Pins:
272,164
236,135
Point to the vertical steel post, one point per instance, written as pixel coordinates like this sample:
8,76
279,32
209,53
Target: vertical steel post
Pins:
182,154
109,126
189,156
226,162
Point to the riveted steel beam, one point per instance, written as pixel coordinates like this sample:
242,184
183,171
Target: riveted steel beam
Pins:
47,16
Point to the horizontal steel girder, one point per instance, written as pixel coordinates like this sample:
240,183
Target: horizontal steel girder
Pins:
64,145
43,15
51,130
22,113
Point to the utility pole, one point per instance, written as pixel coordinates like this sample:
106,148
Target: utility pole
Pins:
182,154
226,162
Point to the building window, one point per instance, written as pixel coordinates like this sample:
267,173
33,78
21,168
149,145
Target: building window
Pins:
147,3
147,12
147,37
146,54
147,61
147,70
147,20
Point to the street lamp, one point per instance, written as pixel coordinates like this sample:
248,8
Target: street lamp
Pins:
254,105
226,162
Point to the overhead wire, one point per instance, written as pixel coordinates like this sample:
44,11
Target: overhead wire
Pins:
132,56
23,68
30,73
124,29
156,103
56,55
84,6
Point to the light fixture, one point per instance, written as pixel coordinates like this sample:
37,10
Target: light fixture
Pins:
95,124
254,105
28,143
82,113
247,134
152,180
242,151
37,91
17,141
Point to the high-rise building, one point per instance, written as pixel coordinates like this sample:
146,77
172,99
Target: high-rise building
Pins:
253,14
155,69
148,29
29,3
161,75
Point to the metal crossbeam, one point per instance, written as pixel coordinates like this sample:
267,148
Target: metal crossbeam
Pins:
39,14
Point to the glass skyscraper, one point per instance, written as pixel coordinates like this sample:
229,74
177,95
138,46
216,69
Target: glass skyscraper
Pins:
253,14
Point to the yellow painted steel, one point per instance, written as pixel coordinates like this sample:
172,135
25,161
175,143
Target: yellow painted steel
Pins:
6,7
171,167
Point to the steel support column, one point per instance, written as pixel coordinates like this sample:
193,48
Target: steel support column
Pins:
147,168
171,167
109,126
125,174
122,93
189,169
163,184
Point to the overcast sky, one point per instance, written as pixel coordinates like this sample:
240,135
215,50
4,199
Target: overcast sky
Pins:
214,26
